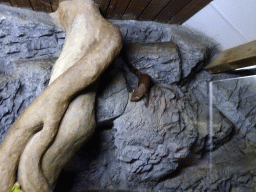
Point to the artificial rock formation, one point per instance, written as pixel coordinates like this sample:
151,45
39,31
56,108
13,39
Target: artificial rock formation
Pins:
160,60
167,146
31,145
130,155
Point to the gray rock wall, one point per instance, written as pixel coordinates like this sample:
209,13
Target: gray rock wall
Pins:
19,86
152,140
235,98
169,145
193,48
26,34
160,60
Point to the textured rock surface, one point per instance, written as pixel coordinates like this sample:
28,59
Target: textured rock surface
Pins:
112,96
27,34
165,147
197,96
19,86
24,34
152,141
235,171
159,60
235,98
230,167
194,48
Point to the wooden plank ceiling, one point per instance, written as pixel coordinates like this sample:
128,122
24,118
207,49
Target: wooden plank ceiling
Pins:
164,11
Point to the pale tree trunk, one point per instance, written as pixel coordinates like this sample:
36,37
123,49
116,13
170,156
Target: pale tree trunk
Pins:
61,118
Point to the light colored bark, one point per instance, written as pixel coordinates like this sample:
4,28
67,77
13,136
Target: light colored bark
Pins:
61,118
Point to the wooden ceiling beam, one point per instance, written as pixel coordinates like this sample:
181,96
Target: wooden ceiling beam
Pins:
117,8
234,58
55,4
41,5
188,11
135,9
165,11
6,2
153,9
103,4
19,3
171,10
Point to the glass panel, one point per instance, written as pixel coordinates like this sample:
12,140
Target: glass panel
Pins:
235,160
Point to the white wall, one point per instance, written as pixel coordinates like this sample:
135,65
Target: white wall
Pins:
229,22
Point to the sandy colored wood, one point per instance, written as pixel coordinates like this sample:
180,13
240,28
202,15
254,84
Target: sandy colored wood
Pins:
234,58
66,106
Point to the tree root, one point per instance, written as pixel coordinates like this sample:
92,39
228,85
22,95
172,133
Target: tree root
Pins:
49,131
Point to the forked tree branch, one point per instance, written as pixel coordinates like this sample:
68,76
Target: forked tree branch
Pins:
61,118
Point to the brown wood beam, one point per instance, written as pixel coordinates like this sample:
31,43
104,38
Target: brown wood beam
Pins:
55,4
235,58
117,8
103,4
153,9
41,5
5,2
19,3
174,7
135,8
188,11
